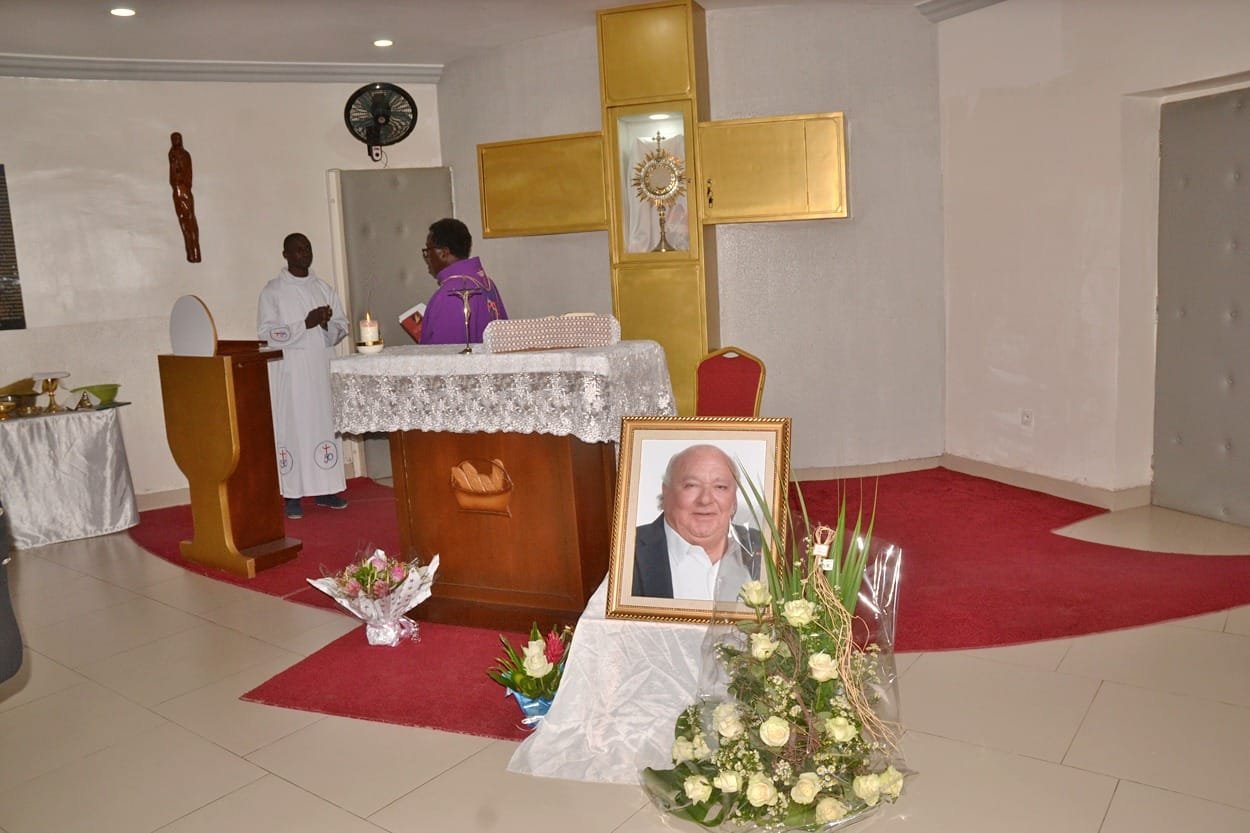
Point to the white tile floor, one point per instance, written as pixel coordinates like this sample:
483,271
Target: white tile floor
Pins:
126,719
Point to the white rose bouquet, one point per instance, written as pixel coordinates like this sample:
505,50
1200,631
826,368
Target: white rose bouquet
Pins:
802,736
535,671
380,590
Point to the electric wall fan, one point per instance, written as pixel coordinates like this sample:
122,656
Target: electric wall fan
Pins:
380,114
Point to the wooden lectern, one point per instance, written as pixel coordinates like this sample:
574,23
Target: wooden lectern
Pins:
219,424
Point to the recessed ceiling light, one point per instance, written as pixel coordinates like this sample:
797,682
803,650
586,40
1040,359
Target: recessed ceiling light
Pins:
659,116
383,42
122,11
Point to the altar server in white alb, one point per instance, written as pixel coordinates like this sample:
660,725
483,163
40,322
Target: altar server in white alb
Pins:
302,314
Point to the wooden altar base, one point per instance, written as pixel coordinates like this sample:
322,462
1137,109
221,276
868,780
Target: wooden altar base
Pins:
533,553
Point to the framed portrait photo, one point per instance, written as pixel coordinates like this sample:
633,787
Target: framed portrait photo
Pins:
685,537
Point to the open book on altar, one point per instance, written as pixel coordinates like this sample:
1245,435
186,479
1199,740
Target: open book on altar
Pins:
410,320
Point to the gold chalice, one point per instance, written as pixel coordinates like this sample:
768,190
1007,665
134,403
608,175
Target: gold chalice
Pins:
49,382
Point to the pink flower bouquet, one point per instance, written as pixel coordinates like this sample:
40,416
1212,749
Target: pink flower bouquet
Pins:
380,590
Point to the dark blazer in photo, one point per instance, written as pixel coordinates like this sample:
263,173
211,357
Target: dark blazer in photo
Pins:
652,575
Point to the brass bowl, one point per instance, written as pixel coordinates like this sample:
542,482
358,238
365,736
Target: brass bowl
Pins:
21,401
26,385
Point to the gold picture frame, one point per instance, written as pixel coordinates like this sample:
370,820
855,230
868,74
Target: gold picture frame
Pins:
759,449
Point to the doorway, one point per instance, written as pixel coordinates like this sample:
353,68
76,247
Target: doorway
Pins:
384,215
1202,355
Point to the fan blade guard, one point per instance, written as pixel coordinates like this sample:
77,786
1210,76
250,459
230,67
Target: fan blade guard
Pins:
380,114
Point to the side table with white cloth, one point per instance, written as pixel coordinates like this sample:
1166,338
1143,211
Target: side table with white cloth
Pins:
624,684
504,465
65,476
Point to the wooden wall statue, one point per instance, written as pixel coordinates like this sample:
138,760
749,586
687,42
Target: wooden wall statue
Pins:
184,202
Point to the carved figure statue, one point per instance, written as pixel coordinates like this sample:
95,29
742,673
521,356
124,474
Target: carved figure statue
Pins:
184,202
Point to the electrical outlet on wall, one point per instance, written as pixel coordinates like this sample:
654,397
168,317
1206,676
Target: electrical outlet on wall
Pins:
1026,420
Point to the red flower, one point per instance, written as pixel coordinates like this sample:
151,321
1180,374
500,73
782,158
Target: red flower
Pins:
555,648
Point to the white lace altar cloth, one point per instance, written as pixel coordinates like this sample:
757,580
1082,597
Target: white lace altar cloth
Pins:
624,685
582,392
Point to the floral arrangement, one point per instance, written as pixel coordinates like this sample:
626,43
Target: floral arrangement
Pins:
374,577
380,589
796,740
536,671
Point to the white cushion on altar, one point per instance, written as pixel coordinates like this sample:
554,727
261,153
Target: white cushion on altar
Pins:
551,333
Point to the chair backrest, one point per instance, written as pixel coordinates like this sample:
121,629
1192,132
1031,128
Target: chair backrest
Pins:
729,382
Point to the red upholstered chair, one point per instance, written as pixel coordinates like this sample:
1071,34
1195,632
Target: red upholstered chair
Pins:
729,382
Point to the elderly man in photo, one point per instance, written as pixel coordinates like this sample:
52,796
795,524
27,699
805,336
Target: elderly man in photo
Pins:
693,550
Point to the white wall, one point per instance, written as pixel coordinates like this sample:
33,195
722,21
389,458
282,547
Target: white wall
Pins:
542,87
1048,294
98,244
1049,271
847,314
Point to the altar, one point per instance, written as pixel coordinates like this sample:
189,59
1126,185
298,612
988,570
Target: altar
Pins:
504,466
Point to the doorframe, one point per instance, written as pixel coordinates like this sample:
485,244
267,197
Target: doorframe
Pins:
353,446
1138,330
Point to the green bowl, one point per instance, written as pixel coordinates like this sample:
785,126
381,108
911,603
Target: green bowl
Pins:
105,394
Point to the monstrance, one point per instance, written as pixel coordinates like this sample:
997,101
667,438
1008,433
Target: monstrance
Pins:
660,178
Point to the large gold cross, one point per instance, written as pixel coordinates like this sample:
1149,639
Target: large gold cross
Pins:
652,66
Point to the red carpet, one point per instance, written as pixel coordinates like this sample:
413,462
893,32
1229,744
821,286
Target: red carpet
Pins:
331,540
438,682
980,568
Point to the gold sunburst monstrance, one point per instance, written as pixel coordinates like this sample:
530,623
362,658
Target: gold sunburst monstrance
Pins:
660,179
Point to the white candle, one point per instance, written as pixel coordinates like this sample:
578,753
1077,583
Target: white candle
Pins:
368,329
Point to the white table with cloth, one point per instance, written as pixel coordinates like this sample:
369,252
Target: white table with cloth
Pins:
550,419
65,476
624,684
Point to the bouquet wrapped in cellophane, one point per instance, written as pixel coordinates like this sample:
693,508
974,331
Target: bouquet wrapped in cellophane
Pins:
380,590
795,726
532,676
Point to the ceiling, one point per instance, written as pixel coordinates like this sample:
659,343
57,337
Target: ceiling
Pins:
301,31
304,40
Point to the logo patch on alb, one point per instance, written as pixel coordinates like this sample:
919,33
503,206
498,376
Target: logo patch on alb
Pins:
327,454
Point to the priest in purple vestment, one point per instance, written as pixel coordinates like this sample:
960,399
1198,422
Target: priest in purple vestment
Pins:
446,255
